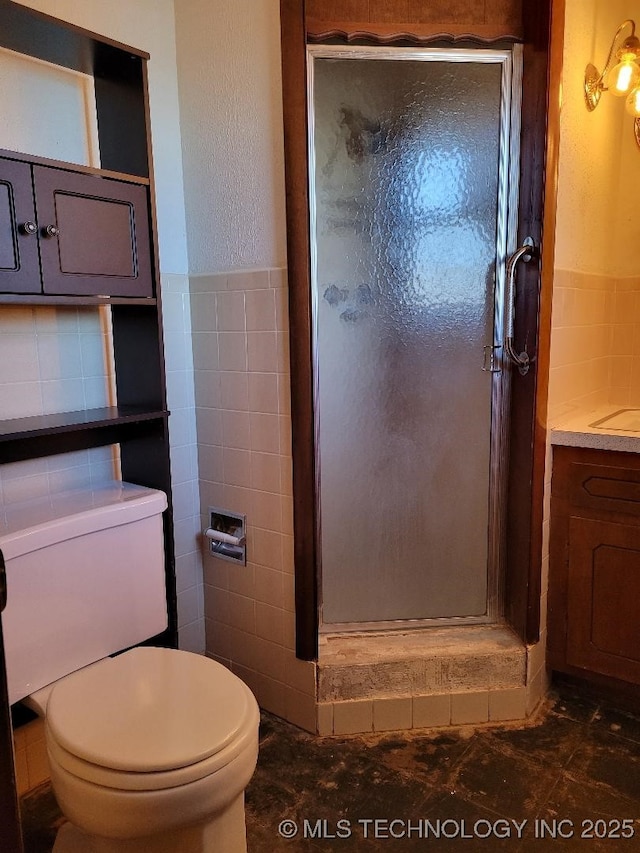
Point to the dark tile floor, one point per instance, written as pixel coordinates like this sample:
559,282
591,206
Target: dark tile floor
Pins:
569,780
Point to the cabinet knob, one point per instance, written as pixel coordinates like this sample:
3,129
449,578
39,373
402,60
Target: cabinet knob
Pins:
28,227
50,231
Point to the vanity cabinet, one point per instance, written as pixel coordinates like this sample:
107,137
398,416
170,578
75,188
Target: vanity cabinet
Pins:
594,575
65,232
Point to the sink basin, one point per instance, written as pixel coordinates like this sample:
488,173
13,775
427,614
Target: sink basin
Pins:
627,420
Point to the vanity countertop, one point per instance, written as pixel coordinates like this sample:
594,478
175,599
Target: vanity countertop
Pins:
577,430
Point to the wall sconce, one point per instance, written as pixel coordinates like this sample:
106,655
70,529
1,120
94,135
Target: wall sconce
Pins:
621,80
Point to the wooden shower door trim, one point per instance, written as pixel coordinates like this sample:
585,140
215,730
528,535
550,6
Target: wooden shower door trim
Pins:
294,86
543,46
416,14
527,451
388,21
321,30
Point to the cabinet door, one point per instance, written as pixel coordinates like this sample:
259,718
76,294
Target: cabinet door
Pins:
94,234
603,624
19,265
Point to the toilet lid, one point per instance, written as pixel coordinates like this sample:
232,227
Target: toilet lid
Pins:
148,710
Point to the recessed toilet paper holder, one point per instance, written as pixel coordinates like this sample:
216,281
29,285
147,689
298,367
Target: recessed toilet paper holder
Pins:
227,535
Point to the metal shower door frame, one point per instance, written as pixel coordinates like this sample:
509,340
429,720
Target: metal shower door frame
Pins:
511,61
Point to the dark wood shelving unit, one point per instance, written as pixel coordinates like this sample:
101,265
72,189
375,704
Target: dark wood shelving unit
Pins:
139,421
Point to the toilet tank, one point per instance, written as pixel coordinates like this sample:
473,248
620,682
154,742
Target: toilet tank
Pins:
85,578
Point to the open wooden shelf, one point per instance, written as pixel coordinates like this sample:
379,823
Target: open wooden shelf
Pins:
70,301
38,425
75,167
65,432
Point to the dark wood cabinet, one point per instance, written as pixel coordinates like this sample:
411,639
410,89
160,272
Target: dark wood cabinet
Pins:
64,232
100,249
594,577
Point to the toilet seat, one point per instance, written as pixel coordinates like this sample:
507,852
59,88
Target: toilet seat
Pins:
144,720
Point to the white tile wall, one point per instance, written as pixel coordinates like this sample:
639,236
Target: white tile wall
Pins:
583,321
624,377
595,342
241,362
54,360
32,764
177,324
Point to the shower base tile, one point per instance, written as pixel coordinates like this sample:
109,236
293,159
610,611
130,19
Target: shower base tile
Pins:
353,717
392,714
431,711
469,708
324,719
507,705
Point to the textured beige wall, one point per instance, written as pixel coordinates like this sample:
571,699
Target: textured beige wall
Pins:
231,121
597,233
598,159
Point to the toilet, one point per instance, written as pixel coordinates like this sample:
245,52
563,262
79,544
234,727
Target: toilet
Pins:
150,749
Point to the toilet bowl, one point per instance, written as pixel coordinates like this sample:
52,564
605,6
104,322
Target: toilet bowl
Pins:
151,751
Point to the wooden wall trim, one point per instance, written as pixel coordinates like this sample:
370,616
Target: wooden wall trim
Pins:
294,77
350,31
411,13
528,397
544,332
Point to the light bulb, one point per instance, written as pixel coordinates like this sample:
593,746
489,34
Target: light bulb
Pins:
632,104
623,76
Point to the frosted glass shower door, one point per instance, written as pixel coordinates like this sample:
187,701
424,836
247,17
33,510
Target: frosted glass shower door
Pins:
408,202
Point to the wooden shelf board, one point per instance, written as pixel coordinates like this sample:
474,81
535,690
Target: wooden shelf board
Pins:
36,34
61,422
45,299
25,157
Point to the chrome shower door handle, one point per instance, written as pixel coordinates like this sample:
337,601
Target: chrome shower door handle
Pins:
525,253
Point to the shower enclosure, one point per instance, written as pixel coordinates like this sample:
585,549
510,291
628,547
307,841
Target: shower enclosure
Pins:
414,163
